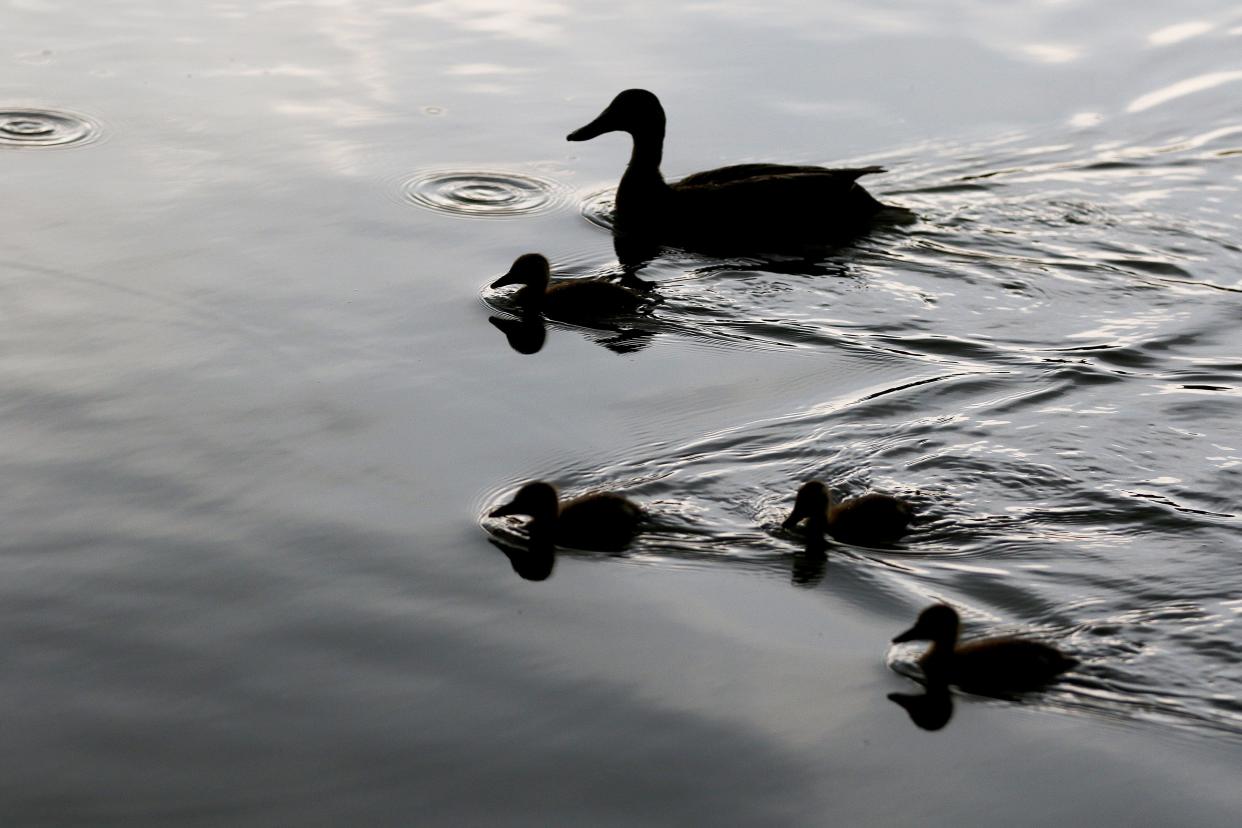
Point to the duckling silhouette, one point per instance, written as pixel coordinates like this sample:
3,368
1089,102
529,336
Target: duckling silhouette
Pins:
870,520
582,301
990,666
602,521
743,208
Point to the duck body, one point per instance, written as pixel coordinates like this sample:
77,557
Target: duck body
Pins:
745,206
873,519
990,666
573,300
601,521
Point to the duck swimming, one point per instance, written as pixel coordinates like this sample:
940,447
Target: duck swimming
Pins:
571,300
873,519
747,206
602,521
990,666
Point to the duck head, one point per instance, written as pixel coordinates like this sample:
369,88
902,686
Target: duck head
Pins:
530,269
812,503
938,623
537,500
635,111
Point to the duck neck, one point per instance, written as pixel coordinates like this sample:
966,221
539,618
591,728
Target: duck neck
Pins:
643,171
940,654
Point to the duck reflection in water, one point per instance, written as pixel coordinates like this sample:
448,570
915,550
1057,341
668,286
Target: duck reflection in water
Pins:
596,304
930,710
746,208
811,561
533,562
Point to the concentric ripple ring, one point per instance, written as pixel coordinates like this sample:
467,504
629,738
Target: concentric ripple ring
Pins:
43,128
481,194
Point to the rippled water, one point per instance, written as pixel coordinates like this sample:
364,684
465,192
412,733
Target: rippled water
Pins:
257,406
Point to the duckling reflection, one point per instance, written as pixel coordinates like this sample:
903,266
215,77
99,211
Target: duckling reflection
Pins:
741,208
602,521
532,563
527,334
990,667
810,562
870,520
930,710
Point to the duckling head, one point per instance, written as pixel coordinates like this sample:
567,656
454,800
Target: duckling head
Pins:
529,269
812,503
538,500
938,623
635,111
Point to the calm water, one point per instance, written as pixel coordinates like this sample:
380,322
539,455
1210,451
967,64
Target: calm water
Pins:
254,410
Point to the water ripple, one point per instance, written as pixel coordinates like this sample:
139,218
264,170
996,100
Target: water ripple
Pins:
480,194
44,128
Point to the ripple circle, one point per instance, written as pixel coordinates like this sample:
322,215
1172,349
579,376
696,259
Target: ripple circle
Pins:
481,194
43,128
600,208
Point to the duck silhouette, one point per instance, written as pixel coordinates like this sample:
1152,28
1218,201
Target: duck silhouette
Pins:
871,520
601,521
582,301
752,208
990,666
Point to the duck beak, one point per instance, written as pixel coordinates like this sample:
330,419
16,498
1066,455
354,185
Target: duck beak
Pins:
795,516
597,127
503,511
912,634
510,278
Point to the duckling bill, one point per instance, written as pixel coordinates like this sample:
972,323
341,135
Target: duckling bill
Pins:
991,666
740,208
870,520
602,521
572,300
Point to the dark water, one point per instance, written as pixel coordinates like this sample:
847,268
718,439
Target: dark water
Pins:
253,412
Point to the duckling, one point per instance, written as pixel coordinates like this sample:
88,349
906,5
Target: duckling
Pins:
989,666
738,208
868,520
600,521
573,300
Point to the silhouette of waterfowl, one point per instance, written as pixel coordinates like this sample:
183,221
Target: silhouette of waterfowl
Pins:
583,301
870,520
601,521
753,208
990,666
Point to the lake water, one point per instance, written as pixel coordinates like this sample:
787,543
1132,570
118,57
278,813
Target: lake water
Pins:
253,413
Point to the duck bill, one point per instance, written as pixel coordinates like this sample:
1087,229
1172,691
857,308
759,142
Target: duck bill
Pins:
503,511
594,129
510,278
795,517
912,634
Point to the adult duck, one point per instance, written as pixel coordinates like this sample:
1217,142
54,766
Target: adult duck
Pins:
569,300
870,520
990,666
742,208
601,521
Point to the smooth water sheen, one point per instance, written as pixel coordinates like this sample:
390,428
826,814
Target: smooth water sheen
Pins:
258,401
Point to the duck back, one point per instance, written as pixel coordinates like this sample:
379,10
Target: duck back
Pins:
600,521
999,665
872,518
